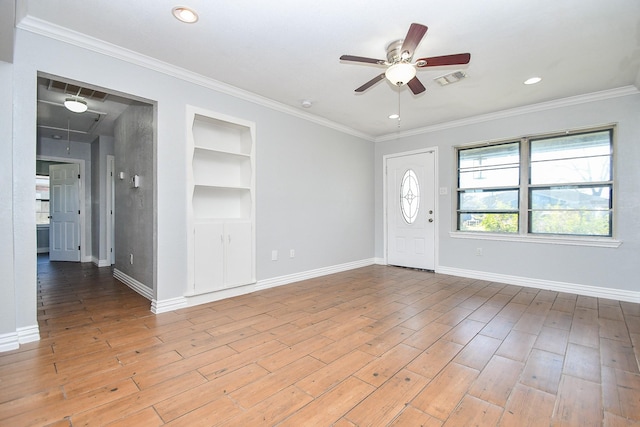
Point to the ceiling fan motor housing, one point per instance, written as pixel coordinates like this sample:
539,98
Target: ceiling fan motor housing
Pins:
393,51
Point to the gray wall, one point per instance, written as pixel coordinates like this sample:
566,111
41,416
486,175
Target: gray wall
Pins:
134,206
583,265
100,148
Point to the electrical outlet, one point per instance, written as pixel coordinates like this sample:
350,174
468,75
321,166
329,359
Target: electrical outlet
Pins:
131,259
274,255
478,251
292,253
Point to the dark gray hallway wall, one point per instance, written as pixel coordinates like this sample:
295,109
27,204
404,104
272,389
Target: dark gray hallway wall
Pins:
134,206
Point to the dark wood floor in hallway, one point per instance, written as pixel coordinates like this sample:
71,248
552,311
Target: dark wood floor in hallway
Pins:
375,346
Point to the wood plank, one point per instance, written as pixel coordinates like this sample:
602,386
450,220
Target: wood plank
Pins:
387,365
384,404
444,393
331,406
579,403
474,412
496,381
528,407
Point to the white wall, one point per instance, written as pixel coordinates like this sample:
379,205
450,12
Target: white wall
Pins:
314,184
555,265
8,336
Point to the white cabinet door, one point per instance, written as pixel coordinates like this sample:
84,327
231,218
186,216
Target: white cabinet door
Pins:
238,253
208,257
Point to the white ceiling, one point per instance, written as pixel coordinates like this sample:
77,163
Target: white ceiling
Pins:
288,50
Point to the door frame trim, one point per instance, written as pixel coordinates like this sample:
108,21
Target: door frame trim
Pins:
85,255
436,193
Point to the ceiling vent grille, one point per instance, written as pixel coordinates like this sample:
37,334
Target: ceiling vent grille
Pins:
71,89
456,76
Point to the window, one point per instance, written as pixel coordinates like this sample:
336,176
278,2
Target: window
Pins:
42,199
409,196
551,185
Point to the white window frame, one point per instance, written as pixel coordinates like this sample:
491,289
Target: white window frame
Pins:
523,234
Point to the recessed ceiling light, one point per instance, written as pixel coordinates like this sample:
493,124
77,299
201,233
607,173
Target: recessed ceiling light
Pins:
185,14
394,116
532,81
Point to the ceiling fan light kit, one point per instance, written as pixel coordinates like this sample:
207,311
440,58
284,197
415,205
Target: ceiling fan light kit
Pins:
400,68
75,104
400,74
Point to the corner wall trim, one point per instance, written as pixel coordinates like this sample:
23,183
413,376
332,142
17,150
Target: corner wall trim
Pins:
572,288
28,334
137,286
12,340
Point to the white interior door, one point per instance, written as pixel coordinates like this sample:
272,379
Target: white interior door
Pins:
64,228
410,184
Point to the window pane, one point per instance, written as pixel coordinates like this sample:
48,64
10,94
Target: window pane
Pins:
563,198
585,223
485,200
571,158
492,166
409,196
489,222
589,169
42,199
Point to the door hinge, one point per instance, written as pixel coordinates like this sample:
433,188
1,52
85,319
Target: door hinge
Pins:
78,247
78,176
78,211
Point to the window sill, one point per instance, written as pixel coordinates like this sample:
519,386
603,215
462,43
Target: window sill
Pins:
600,242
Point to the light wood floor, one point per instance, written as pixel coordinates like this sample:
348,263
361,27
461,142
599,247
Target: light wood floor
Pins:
374,346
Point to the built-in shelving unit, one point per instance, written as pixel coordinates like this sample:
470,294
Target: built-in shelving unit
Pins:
222,189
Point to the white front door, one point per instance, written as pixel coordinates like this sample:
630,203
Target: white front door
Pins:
410,184
64,205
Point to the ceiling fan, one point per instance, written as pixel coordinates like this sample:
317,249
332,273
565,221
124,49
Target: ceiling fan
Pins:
400,68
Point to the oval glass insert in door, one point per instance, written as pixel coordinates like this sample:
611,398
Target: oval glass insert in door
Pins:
409,196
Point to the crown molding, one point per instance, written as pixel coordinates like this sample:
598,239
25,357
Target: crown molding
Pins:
542,106
65,35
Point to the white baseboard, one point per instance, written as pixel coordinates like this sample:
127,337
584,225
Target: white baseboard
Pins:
28,334
311,274
197,299
137,286
572,288
163,306
44,250
100,262
12,340
9,341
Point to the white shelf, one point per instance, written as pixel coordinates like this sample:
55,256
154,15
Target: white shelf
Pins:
214,134
214,168
222,213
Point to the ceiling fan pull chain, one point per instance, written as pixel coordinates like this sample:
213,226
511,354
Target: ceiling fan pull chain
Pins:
399,116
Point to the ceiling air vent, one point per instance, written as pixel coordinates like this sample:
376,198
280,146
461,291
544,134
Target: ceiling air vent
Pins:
71,89
456,76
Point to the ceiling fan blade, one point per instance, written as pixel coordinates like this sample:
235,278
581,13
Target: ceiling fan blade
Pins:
413,38
435,61
370,83
362,59
416,86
